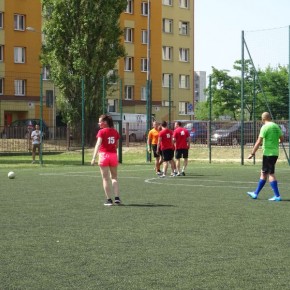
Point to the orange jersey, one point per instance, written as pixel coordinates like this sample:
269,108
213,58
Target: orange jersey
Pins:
153,136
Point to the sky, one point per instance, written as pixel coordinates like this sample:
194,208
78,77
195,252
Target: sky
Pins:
219,25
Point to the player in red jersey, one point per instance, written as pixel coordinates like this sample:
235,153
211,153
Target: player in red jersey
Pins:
106,147
166,147
181,138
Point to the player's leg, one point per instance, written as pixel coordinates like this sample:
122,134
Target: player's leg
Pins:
33,153
106,181
272,179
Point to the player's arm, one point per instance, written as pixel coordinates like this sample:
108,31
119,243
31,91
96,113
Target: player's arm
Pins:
256,147
158,145
149,142
96,150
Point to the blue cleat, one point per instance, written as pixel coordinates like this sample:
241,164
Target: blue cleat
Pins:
253,195
275,198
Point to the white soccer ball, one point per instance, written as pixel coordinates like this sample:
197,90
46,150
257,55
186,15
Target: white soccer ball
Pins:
11,175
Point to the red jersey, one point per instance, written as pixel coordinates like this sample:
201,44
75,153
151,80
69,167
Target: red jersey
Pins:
166,141
180,134
109,136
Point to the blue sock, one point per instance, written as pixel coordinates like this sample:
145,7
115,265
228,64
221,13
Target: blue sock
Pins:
274,185
261,184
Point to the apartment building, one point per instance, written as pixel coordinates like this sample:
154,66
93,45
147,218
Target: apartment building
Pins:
199,86
158,37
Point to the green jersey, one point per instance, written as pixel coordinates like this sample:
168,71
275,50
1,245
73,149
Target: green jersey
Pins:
270,132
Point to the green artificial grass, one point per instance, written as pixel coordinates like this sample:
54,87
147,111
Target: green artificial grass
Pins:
200,231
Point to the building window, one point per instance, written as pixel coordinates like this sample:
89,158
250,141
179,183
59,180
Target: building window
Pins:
49,98
112,105
182,108
167,52
184,54
128,34
144,64
167,25
1,19
184,81
184,4
167,2
128,63
144,36
129,92
183,27
19,22
143,93
19,87
167,80
1,53
46,73
1,86
19,54
167,103
129,8
144,8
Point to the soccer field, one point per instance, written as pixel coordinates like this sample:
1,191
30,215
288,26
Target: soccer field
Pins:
200,231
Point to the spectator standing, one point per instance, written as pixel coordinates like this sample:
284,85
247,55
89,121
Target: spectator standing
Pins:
36,137
152,141
181,139
270,135
166,147
106,147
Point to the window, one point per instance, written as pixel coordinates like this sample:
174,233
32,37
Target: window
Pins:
129,8
182,108
144,8
19,22
129,92
183,28
1,86
167,52
128,63
1,19
167,103
184,81
128,34
184,54
112,105
167,2
167,80
49,98
144,36
46,73
144,64
1,53
167,25
19,87
184,3
143,93
19,54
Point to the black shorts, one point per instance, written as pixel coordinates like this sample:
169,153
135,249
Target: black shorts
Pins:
181,153
268,166
154,148
35,146
168,154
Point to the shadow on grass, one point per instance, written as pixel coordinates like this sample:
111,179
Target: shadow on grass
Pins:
148,205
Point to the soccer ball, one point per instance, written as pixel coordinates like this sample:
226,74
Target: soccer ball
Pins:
11,175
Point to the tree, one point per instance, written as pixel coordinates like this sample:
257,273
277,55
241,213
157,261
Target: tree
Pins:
82,42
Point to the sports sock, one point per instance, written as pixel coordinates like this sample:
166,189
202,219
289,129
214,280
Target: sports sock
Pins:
274,185
261,184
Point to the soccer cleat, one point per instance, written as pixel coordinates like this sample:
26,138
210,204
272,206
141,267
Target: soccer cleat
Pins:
253,195
117,200
275,198
178,174
182,173
33,161
162,176
109,202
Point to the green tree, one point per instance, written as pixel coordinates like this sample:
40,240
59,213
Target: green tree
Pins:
82,42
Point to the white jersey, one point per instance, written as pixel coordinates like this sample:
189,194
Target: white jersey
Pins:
36,137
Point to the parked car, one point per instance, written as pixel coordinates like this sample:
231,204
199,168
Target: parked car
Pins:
20,129
197,130
229,133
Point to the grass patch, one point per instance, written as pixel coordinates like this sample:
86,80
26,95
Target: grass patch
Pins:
200,231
